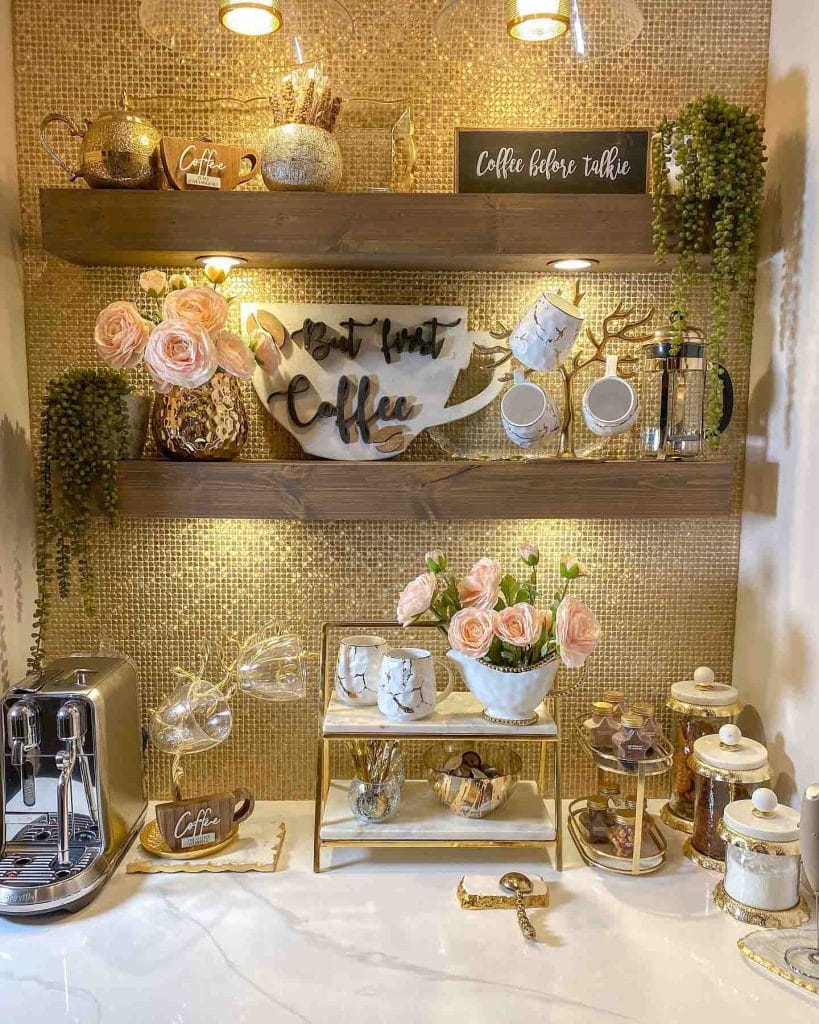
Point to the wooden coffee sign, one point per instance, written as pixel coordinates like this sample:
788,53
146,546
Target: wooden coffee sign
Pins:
203,821
202,164
572,162
361,382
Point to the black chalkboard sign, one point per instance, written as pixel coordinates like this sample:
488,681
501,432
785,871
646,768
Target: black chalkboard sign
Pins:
574,162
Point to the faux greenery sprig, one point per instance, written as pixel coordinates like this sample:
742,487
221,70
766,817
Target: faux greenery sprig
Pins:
720,155
83,434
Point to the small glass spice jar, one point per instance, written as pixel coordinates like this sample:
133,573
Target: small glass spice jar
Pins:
630,745
652,729
601,725
726,768
700,707
761,884
621,833
597,818
617,699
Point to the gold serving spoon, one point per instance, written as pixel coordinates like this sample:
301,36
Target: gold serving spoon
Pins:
520,885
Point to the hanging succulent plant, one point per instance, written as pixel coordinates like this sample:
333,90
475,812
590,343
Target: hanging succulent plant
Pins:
708,174
83,434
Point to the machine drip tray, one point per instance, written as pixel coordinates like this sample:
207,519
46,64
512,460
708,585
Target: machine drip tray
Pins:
30,859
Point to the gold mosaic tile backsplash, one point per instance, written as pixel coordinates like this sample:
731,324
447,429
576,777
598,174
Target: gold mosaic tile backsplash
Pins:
664,590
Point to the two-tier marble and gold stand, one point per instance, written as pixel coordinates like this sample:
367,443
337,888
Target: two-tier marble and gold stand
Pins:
421,821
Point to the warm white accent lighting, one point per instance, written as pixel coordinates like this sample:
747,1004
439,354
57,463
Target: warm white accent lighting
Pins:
536,21
574,263
218,268
251,17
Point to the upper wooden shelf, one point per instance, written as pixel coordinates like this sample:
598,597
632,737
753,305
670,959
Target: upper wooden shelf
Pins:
157,488
422,231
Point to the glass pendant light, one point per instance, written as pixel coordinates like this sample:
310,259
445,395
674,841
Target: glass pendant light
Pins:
251,17
604,27
284,33
535,21
509,32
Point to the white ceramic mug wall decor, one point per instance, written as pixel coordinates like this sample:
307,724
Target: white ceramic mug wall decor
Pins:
545,335
357,669
610,404
361,382
406,685
528,413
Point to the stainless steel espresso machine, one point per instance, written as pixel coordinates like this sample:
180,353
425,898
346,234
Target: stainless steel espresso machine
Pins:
71,796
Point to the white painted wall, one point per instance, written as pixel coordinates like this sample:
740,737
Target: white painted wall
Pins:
776,657
17,586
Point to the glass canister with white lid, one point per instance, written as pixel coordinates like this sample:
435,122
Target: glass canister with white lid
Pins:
726,767
700,706
761,884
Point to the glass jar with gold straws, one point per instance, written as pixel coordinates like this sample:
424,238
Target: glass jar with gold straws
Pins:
726,768
700,707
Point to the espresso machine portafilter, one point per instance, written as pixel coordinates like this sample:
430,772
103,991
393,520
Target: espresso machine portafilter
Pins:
71,795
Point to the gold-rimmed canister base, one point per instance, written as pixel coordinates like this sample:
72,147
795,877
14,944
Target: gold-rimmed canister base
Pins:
675,821
792,918
702,859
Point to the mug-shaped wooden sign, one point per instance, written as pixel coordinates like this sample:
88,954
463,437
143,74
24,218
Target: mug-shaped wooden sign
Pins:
203,164
203,821
361,382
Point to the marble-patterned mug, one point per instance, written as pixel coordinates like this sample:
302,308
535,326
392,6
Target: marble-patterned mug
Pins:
529,414
610,404
545,335
357,669
406,685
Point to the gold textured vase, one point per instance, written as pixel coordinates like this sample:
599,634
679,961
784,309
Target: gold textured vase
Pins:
208,423
301,157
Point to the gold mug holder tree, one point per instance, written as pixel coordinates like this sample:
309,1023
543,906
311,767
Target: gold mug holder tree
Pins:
430,825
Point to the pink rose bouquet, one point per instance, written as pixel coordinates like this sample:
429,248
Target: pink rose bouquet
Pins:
180,330
491,616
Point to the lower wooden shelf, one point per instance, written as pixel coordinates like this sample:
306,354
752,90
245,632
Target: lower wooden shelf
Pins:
315,490
422,820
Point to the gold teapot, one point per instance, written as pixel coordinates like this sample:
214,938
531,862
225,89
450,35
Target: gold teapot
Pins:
119,149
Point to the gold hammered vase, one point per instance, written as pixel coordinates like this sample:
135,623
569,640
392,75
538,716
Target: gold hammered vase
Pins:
301,157
207,423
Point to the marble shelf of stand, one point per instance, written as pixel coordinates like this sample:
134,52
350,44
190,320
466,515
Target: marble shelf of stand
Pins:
458,715
422,819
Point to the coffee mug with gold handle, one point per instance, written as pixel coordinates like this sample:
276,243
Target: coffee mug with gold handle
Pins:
203,821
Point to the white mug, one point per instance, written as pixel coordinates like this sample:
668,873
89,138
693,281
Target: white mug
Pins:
406,685
610,404
545,335
528,413
357,669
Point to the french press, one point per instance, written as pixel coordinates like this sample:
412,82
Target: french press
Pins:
675,369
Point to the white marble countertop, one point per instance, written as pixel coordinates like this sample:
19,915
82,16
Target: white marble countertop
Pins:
379,938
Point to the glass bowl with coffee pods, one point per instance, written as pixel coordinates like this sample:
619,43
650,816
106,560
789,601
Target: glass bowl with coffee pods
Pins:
473,781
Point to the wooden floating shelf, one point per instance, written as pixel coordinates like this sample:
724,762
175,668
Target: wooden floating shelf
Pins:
549,489
315,230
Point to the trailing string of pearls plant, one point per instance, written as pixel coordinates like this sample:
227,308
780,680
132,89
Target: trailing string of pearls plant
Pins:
708,175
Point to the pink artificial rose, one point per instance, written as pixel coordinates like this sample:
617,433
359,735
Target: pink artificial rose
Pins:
481,587
180,353
234,356
121,335
154,282
519,625
472,631
202,307
529,552
265,351
571,567
577,632
416,598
